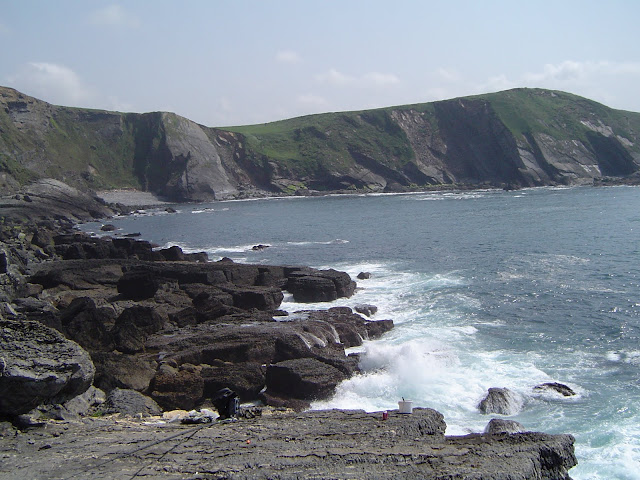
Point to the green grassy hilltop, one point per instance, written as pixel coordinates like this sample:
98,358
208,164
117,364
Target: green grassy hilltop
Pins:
520,137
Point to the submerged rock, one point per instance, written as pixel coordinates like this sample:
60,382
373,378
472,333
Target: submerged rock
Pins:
560,388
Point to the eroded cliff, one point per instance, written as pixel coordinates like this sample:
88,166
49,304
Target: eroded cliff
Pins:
521,137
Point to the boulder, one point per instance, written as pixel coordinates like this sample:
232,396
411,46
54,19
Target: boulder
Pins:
501,401
246,379
312,289
130,402
138,285
248,297
39,366
82,404
134,325
560,388
172,254
85,323
132,248
303,378
42,238
309,285
500,425
181,390
4,262
118,370
364,276
71,410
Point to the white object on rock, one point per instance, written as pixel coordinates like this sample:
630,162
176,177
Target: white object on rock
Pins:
405,406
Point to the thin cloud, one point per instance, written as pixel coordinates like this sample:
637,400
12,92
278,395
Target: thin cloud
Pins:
380,79
114,16
51,82
287,56
311,100
334,77
569,71
370,79
448,75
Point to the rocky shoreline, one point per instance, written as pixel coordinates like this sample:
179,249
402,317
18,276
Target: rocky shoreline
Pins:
96,326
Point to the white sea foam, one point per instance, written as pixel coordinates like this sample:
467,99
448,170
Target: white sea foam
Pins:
336,241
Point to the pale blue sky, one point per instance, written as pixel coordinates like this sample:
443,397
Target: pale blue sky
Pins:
240,62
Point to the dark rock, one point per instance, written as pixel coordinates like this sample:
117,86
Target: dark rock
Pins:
312,289
82,404
88,325
130,402
259,247
345,287
501,401
39,366
138,285
560,388
72,409
364,276
108,227
78,274
33,290
303,378
42,238
246,379
261,298
117,370
186,316
4,262
170,210
499,425
184,389
130,247
172,254
366,309
212,304
133,326
199,257
276,401
377,328
308,285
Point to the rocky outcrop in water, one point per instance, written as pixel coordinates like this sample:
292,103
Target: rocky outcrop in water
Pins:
203,327
178,331
501,401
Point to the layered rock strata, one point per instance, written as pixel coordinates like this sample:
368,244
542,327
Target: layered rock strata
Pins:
316,444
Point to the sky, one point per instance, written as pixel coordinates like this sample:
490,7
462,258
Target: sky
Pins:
239,62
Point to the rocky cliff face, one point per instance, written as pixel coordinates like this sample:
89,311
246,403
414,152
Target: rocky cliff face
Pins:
522,137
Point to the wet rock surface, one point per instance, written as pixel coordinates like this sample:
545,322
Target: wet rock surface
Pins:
316,444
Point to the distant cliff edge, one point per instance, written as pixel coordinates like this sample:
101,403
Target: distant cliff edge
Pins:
516,138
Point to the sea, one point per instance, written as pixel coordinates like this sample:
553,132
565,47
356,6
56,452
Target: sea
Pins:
486,288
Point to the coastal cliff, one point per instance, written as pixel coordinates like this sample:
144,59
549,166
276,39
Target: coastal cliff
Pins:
516,138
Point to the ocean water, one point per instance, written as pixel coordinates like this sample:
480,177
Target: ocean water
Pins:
486,289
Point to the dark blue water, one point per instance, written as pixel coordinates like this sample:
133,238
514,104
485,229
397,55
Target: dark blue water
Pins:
487,289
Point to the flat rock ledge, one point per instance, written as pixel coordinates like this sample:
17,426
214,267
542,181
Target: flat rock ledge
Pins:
314,444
